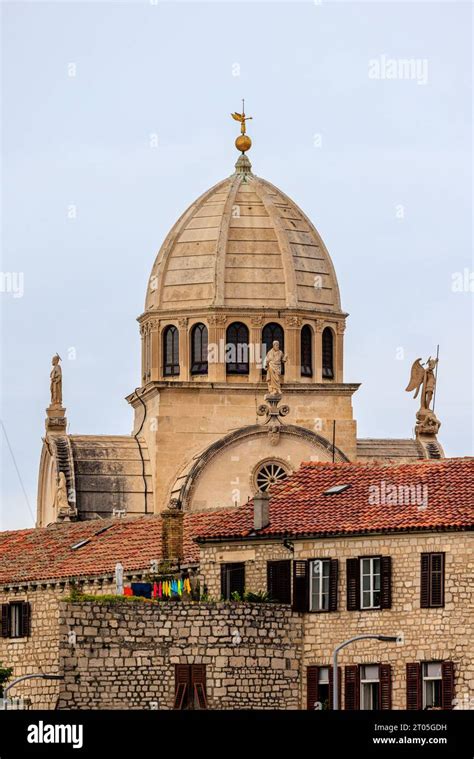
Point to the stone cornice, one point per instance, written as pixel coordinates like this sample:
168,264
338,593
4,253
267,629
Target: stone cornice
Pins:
330,388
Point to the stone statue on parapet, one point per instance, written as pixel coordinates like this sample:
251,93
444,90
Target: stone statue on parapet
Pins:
56,386
272,364
423,381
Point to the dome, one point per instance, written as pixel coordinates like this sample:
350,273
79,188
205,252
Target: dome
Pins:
243,243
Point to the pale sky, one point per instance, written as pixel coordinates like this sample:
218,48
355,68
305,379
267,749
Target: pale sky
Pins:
382,164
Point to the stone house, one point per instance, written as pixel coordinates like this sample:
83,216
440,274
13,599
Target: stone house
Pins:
341,550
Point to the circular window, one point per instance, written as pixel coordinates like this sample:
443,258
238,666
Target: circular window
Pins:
270,473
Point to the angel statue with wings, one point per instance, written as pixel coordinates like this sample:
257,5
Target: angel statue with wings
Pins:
423,377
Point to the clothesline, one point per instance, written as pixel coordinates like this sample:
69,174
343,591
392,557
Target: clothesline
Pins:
159,589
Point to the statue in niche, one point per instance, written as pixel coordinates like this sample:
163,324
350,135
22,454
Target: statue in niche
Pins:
60,498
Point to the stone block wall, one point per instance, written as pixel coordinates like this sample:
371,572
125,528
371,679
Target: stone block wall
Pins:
125,654
436,634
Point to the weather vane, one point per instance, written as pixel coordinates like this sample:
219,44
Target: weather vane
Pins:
243,141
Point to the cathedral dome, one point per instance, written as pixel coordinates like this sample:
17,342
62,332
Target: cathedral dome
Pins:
243,243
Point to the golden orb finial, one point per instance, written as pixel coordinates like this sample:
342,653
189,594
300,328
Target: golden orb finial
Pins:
243,141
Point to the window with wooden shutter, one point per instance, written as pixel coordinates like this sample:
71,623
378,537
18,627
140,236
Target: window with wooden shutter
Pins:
351,687
25,616
279,581
5,631
333,583
300,585
385,677
447,684
425,581
353,584
232,579
386,582
432,580
190,686
198,685
312,687
413,685
182,683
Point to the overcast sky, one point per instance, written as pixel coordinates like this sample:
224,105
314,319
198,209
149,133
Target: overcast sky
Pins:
377,153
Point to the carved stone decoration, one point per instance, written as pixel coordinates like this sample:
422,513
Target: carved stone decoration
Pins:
273,416
174,504
217,320
293,321
319,325
427,423
61,504
183,322
257,320
272,365
341,328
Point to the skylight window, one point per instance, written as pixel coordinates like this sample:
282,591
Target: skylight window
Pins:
336,489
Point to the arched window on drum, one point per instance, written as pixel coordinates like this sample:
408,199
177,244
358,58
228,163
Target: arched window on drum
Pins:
199,343
328,353
237,349
306,351
171,351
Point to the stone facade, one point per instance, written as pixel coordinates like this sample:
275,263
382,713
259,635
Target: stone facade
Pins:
125,654
429,634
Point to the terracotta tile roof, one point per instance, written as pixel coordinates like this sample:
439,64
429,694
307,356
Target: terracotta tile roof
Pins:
299,507
47,552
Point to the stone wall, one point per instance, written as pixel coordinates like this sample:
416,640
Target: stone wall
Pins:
429,634
39,652
125,654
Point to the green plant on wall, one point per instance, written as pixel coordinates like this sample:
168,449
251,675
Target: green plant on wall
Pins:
5,674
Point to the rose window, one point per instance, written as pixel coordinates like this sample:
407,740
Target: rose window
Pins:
270,474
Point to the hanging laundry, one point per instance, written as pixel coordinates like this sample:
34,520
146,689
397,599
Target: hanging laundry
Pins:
127,591
155,589
142,589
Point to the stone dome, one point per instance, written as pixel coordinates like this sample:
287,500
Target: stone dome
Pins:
243,243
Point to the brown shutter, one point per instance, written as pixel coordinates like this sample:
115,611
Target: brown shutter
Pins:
352,698
300,585
447,684
339,686
385,677
414,686
425,580
353,584
279,581
181,690
5,633
25,616
312,687
333,581
437,579
385,582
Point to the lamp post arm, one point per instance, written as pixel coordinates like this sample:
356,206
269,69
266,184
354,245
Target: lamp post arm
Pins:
335,674
30,677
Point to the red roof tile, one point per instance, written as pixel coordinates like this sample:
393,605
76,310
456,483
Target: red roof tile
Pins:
47,552
299,507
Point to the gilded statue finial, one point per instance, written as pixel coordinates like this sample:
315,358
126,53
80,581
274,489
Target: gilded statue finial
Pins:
243,141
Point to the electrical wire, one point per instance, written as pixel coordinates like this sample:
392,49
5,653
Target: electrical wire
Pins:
17,471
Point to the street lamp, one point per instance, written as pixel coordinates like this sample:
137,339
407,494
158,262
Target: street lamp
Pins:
335,684
29,677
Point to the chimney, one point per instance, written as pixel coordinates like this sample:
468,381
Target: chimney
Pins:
172,534
261,517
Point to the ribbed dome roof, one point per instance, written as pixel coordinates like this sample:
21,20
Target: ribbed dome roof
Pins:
243,243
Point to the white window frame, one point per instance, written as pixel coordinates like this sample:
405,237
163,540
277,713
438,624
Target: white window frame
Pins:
427,679
321,583
15,619
368,681
372,575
